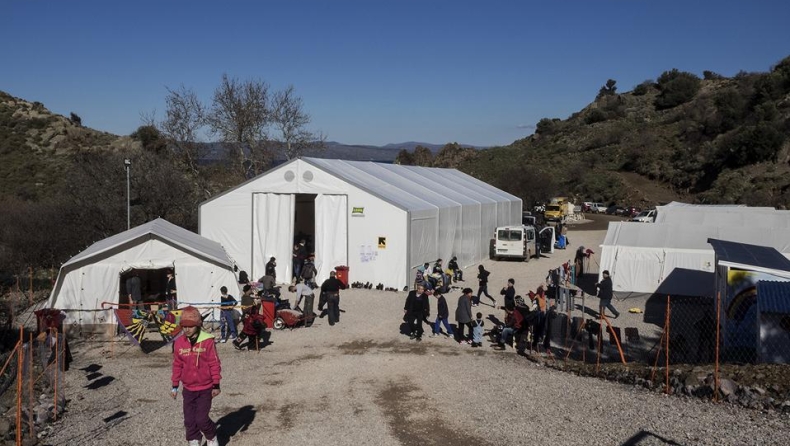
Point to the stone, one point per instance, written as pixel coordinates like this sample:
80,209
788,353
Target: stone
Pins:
728,387
5,427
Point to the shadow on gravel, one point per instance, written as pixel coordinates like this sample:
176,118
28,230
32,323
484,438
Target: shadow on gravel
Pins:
413,421
360,347
99,383
309,357
647,438
233,423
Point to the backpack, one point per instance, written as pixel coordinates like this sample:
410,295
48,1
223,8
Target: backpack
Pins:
308,272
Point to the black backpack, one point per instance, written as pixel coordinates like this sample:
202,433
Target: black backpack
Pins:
308,272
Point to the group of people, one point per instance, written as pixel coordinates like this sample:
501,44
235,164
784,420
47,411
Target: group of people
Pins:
134,291
520,318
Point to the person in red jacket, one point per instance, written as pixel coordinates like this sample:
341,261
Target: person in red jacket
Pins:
196,366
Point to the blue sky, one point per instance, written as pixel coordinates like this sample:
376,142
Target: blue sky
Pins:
377,72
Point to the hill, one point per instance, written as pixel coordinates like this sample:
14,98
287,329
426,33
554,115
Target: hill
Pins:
709,140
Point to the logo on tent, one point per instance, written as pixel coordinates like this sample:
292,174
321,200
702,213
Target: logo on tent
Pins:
382,242
358,212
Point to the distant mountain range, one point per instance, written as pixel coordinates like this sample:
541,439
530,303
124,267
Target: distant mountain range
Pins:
386,153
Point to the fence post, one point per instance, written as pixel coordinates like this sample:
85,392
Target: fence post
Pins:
30,295
30,386
20,359
57,371
669,318
718,340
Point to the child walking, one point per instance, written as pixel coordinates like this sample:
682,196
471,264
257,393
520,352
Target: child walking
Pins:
477,331
227,324
196,366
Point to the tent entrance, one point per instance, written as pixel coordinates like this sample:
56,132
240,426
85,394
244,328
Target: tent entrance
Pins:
304,220
153,283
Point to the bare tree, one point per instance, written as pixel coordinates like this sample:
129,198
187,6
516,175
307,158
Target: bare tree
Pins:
185,115
240,115
290,119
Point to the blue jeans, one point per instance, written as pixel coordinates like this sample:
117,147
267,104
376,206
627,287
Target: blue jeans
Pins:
447,326
227,326
297,266
507,333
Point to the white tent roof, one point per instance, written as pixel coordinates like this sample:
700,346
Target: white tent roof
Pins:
396,184
163,229
683,237
724,216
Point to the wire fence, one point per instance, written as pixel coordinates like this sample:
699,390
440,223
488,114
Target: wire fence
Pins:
35,366
681,342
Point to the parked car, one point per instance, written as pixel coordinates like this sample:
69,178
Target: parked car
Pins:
645,216
597,208
615,210
631,211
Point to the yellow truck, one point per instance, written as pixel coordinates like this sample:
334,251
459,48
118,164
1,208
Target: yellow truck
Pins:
557,209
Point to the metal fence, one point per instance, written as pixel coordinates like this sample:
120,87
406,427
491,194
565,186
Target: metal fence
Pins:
35,366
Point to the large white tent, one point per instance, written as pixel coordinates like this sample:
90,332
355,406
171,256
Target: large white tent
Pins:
668,257
380,220
723,215
93,277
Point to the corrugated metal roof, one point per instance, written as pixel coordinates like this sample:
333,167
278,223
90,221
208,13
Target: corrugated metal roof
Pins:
747,255
187,240
773,296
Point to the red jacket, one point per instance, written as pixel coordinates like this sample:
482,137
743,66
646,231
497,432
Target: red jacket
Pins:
196,366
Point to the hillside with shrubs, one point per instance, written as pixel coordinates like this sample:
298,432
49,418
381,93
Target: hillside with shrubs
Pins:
681,137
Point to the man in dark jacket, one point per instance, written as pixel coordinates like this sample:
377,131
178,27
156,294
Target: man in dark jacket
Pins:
416,309
458,275
330,289
510,295
134,291
271,268
463,316
442,313
605,294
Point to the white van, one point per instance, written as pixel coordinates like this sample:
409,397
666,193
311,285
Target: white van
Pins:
645,216
515,242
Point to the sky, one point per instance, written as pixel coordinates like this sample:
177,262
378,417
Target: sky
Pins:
376,72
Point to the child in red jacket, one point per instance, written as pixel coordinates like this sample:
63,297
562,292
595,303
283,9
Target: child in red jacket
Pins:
196,365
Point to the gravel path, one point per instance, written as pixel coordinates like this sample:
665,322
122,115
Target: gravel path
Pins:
361,382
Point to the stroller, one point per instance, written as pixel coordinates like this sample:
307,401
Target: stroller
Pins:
286,317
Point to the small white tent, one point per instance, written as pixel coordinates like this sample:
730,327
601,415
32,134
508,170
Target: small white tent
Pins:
643,258
94,276
380,220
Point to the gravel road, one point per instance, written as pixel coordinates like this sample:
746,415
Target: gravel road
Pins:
363,383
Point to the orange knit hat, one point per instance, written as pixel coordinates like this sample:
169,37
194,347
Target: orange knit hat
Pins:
190,317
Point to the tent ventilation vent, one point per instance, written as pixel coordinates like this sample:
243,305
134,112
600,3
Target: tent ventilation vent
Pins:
308,176
289,176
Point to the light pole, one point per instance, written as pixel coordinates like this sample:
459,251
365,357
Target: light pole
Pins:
128,164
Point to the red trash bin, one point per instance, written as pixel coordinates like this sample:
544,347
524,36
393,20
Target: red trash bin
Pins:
342,274
267,310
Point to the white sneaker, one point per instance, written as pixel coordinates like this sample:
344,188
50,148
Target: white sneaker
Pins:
224,340
194,442
212,442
